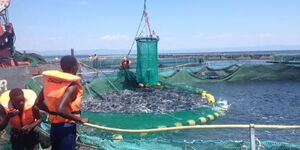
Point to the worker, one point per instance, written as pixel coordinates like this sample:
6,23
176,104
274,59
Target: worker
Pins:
61,98
17,108
125,63
95,61
7,38
7,41
90,58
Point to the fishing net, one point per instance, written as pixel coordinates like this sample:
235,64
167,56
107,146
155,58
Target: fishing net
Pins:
93,142
113,62
235,73
182,145
147,64
286,58
104,86
119,102
124,80
32,57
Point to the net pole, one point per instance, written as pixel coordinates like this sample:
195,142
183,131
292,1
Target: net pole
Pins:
252,136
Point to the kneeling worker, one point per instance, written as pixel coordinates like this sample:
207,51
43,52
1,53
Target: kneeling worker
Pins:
61,97
17,108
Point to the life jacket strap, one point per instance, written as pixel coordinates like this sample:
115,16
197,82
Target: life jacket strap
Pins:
73,112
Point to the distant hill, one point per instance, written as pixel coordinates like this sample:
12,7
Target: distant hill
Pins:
191,50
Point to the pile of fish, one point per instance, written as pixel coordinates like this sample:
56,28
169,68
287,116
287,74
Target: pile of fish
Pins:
143,100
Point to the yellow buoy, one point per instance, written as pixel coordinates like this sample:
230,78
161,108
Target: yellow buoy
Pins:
117,137
158,84
141,85
208,95
191,122
217,115
161,127
211,100
210,117
202,120
177,124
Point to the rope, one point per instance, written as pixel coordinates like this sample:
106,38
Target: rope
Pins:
103,74
235,126
137,32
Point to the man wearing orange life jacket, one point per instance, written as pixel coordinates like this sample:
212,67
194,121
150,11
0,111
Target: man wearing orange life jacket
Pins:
17,108
61,97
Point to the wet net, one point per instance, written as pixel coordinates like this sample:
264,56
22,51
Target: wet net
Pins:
183,145
93,142
124,82
235,73
147,64
113,62
32,57
119,102
286,58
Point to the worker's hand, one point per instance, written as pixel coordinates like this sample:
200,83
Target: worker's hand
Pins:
12,113
84,120
26,129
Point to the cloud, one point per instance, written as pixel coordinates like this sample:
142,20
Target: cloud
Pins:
218,36
198,36
265,35
114,37
246,36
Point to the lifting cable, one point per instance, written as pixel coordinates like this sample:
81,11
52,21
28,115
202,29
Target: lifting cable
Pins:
137,32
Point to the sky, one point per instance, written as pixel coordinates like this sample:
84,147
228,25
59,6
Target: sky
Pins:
49,25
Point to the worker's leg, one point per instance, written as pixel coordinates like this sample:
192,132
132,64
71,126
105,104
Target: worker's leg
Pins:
66,134
17,140
32,140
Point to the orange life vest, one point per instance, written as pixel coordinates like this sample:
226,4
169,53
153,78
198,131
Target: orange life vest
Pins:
55,85
23,63
27,116
1,30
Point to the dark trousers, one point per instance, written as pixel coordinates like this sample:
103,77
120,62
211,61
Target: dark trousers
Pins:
63,136
20,141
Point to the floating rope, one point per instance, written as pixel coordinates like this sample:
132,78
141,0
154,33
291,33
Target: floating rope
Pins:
229,126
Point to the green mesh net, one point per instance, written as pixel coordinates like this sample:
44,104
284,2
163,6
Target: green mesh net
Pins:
286,58
182,145
235,73
113,62
153,120
32,57
179,79
147,64
125,80
31,84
